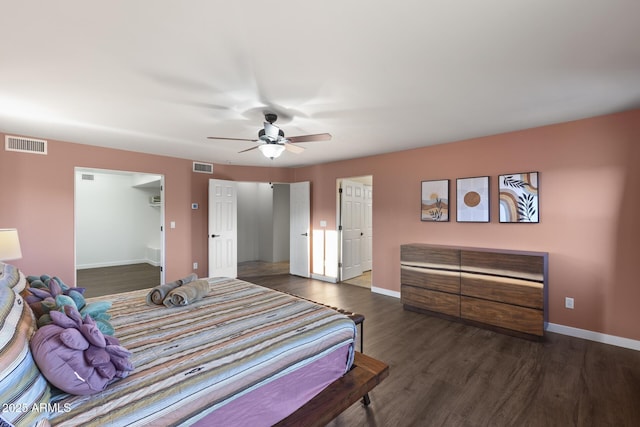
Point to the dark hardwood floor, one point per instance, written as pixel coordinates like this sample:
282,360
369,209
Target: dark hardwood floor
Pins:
122,278
444,373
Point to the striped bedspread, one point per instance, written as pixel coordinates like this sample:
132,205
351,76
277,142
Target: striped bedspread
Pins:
192,360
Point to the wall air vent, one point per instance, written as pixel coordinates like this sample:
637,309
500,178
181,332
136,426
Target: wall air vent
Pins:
25,145
203,167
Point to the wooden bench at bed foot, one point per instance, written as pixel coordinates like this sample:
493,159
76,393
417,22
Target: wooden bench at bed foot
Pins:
365,374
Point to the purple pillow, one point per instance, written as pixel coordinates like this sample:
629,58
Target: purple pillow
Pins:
75,356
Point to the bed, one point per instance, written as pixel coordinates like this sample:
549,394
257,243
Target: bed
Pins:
242,355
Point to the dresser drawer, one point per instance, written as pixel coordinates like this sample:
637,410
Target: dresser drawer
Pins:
521,319
438,280
504,263
431,256
439,302
521,292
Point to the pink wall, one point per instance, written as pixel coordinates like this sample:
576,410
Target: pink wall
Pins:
40,203
589,184
589,198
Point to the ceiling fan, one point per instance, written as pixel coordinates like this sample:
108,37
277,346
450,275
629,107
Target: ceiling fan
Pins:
273,141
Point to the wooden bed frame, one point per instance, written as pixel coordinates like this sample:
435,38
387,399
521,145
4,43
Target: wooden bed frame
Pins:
365,374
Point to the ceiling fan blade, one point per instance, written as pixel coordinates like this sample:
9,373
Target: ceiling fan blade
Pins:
232,139
309,138
293,148
249,149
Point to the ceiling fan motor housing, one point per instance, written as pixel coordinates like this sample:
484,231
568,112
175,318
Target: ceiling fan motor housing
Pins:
268,139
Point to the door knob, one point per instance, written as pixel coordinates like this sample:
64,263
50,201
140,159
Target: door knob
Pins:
215,235
304,234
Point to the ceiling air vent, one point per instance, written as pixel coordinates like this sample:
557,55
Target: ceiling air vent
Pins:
25,145
203,167
87,177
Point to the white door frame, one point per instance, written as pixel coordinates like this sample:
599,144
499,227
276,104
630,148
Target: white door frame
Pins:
367,227
367,180
351,228
161,207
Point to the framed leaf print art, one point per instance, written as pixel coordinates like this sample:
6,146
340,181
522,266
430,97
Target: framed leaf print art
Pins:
473,199
435,200
519,197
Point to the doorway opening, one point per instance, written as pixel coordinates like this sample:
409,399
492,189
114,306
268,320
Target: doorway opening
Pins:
355,224
263,229
119,238
258,223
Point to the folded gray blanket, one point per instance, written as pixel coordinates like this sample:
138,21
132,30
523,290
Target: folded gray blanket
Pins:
187,294
160,292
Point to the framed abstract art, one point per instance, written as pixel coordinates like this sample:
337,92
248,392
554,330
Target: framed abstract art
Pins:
519,197
435,201
472,199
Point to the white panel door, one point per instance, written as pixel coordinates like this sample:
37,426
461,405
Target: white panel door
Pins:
223,231
367,226
351,219
300,221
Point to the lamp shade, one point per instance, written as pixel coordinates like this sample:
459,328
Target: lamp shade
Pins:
271,151
9,244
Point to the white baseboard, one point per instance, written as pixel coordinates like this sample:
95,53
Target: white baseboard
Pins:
386,292
153,262
114,263
324,278
594,336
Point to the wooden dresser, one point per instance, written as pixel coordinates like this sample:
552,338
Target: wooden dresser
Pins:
503,289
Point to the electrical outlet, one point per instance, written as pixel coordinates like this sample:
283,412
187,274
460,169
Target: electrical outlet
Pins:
568,302
195,265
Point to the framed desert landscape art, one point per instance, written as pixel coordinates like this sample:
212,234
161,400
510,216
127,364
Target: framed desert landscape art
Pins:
435,201
519,197
472,199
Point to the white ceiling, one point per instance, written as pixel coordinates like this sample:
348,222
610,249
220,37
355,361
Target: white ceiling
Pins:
380,76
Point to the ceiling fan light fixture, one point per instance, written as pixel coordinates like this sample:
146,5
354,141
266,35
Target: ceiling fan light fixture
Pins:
271,151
